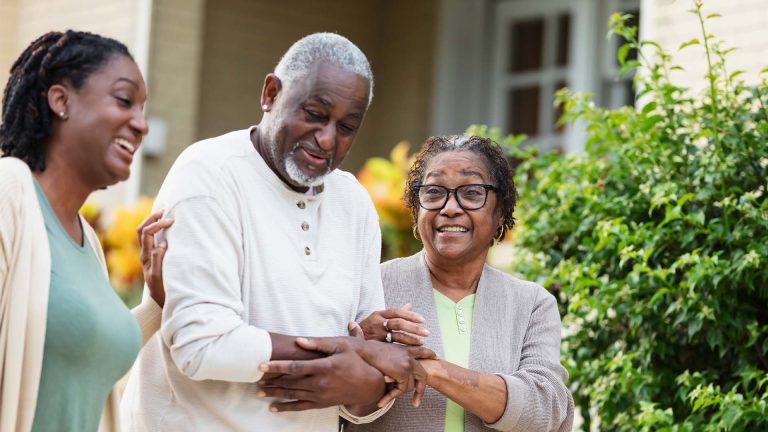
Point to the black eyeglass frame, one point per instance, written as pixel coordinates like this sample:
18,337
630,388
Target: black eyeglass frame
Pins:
453,191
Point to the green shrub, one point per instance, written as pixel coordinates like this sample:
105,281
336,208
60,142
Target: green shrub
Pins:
655,240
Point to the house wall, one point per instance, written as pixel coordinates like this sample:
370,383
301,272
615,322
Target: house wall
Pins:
25,20
8,35
743,25
174,88
243,40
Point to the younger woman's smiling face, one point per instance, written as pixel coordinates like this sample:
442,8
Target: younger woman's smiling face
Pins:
105,122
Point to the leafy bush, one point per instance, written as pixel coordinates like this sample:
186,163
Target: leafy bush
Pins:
655,240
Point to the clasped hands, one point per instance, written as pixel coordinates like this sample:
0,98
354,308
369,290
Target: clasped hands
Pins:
354,373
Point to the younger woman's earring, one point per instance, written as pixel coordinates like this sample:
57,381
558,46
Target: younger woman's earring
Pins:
416,233
265,107
63,115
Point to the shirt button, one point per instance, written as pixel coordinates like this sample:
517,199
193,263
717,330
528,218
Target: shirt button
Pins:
301,204
305,226
307,251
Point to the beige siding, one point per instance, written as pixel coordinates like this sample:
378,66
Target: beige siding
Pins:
245,39
112,18
8,34
744,25
174,88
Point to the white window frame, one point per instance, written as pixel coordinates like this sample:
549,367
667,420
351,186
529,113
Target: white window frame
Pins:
470,59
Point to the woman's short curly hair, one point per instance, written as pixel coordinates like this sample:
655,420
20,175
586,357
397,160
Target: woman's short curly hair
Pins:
498,166
54,58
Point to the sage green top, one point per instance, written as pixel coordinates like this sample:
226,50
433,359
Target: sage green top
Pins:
455,328
91,338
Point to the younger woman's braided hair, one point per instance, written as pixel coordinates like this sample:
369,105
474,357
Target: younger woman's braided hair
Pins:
54,58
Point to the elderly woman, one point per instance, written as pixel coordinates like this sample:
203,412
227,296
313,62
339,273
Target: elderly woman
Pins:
72,120
498,337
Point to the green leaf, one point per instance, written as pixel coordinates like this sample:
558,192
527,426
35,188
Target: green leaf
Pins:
628,67
691,42
622,54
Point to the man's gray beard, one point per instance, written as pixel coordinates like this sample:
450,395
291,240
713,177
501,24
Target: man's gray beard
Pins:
299,176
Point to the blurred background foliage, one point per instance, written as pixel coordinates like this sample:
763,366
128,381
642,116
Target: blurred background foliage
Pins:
121,246
385,181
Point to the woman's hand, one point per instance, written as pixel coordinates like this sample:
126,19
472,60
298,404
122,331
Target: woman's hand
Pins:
152,254
402,323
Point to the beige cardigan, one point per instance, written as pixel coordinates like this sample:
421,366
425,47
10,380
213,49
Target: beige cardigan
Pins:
25,267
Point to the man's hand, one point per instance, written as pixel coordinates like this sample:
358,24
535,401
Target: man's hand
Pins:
342,378
397,362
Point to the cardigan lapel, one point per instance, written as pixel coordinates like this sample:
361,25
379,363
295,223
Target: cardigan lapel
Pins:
424,300
490,342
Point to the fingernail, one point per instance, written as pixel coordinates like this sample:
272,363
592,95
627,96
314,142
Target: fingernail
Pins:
260,394
351,325
273,409
261,383
164,244
426,332
420,318
302,340
264,367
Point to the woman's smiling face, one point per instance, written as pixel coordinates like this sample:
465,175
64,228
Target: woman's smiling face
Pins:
105,121
453,235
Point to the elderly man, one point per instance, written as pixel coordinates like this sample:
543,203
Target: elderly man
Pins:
270,242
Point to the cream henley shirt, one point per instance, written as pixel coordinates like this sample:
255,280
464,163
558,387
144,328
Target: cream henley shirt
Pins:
247,256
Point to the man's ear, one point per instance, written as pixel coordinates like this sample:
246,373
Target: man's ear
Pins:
272,86
58,100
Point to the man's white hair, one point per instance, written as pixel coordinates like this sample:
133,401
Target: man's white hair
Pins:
323,48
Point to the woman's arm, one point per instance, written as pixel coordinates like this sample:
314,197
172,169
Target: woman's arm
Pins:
482,394
534,397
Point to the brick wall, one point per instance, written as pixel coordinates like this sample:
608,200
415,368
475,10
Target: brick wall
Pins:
744,25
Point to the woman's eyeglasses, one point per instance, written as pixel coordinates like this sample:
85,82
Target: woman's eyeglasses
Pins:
469,196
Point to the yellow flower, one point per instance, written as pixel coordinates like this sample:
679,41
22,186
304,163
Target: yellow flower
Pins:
122,231
124,267
385,181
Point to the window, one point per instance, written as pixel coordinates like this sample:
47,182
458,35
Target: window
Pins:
541,46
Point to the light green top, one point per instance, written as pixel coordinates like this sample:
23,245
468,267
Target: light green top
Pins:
455,329
91,338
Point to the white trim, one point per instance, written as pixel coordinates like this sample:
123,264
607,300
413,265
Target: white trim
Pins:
460,92
141,47
546,78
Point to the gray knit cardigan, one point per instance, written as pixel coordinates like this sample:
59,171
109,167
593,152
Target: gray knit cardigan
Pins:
515,334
